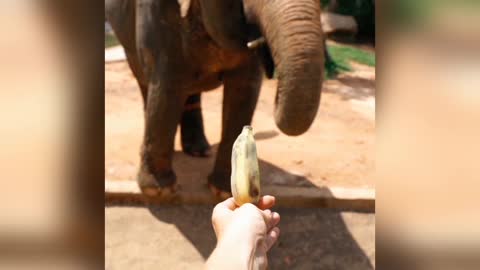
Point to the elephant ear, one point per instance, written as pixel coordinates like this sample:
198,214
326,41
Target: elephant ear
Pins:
184,6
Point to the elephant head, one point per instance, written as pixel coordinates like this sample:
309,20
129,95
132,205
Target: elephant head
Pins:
294,39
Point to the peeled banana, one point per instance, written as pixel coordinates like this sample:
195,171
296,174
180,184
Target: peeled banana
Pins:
245,178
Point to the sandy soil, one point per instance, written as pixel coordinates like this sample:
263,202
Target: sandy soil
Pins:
338,150
164,238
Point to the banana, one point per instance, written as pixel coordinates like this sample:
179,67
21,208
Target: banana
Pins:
245,178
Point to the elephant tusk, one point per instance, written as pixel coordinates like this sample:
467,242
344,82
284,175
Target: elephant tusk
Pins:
256,43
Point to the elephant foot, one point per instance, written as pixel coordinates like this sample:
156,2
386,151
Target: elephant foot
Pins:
194,142
219,185
160,185
197,147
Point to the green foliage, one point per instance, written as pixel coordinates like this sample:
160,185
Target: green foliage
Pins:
414,13
342,56
324,3
362,10
408,12
332,69
355,8
110,40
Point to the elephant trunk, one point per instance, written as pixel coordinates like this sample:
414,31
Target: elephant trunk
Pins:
294,34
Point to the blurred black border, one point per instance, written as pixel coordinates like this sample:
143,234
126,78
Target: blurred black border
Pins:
82,26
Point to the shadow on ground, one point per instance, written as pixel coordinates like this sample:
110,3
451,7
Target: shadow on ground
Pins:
193,171
265,135
310,238
353,87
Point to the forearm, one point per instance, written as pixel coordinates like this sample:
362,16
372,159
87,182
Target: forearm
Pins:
235,254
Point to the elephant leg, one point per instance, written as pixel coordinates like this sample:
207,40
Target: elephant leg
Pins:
193,138
163,113
137,72
121,16
241,90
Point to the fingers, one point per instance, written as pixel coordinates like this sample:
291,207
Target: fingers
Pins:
275,220
271,218
266,202
224,208
228,204
272,237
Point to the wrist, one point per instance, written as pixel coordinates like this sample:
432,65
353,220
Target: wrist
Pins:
232,252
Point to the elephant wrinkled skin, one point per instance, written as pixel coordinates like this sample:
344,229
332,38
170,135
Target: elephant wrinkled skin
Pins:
177,49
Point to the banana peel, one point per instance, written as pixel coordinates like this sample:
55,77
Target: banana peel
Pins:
245,178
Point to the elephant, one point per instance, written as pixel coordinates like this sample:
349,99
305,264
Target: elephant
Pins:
178,49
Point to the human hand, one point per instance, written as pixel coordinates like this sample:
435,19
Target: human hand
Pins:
244,234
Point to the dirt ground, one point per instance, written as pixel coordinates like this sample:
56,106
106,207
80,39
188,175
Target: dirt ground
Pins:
181,237
338,150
